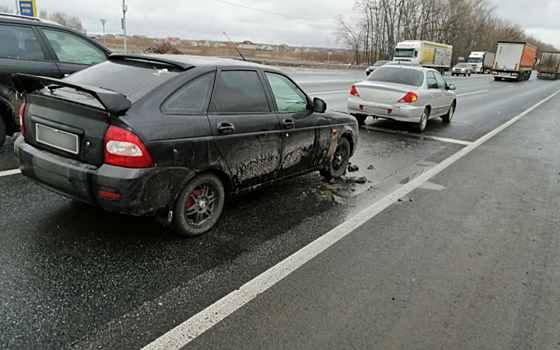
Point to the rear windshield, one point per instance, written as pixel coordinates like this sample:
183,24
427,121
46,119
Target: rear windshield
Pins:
134,79
380,63
462,65
397,76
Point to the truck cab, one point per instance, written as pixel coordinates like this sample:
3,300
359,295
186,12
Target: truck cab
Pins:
408,51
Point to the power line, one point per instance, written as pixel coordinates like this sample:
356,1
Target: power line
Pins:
274,13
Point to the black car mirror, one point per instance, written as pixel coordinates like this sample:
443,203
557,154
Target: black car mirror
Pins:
319,105
450,87
415,53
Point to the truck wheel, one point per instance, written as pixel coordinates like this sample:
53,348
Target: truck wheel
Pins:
497,79
2,132
336,166
199,205
421,126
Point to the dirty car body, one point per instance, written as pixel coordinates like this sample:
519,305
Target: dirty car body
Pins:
246,124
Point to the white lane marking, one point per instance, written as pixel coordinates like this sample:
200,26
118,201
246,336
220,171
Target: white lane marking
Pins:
405,133
187,331
329,92
329,81
9,172
472,93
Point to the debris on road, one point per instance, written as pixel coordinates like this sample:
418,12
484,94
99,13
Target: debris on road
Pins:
362,180
353,168
371,167
338,199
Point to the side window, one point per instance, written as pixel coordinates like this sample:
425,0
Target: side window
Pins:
240,92
287,95
191,98
72,49
19,42
440,81
432,82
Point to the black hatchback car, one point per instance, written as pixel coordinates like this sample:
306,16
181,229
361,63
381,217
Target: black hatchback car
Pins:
172,136
35,46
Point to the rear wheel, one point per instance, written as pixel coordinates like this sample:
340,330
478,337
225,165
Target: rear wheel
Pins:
336,166
421,126
199,205
2,132
497,78
450,113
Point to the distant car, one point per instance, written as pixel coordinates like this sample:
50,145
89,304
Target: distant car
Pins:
461,69
172,136
406,94
35,46
375,66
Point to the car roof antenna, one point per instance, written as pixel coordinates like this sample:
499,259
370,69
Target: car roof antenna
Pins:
235,47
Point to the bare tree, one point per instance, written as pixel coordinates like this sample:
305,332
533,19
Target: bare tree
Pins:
66,20
468,25
5,9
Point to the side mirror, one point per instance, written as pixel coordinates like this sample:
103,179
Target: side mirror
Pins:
319,105
415,53
450,87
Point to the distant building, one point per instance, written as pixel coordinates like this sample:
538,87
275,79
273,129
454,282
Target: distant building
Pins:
247,45
140,37
206,44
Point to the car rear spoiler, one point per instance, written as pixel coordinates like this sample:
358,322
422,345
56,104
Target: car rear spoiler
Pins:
114,102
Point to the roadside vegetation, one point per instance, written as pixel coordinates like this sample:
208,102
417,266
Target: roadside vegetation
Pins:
468,25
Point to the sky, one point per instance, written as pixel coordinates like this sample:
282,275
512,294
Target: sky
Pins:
207,19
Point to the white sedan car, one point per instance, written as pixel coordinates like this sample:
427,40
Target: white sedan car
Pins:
403,93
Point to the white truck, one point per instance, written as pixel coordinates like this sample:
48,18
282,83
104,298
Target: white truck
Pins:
481,61
549,66
424,53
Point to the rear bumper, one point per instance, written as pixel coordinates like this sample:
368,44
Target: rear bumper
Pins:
399,111
144,191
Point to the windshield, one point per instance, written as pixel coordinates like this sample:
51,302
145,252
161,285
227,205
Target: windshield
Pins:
395,75
462,65
475,60
404,53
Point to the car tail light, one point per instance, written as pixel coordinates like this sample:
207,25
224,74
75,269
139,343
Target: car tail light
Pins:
409,98
123,148
21,120
109,195
514,75
494,73
354,92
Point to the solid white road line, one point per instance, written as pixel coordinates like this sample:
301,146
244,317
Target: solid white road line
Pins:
329,81
472,93
205,319
404,133
9,172
330,92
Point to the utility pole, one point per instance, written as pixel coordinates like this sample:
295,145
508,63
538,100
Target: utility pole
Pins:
17,7
124,9
103,21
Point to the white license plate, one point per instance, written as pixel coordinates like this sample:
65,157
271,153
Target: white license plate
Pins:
56,138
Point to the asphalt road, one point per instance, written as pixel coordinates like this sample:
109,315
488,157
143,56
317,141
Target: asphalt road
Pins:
470,262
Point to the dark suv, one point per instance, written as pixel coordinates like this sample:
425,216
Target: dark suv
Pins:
34,46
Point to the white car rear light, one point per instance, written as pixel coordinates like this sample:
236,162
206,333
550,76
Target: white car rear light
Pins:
124,148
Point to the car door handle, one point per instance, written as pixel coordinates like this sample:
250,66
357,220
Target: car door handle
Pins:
289,124
226,128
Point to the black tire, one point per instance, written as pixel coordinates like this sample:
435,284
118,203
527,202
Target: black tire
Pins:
497,79
2,132
450,113
421,125
469,74
336,166
204,198
361,119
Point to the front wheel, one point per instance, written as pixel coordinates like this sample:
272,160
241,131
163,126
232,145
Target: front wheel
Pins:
421,126
361,119
199,205
2,132
450,113
337,164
